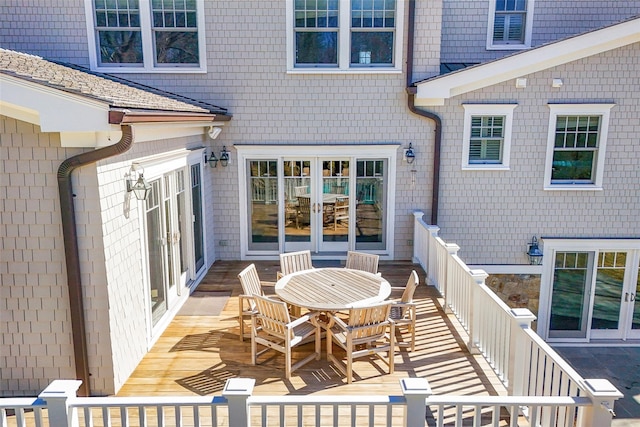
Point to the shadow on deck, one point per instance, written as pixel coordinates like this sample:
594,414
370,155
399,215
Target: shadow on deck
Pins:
198,353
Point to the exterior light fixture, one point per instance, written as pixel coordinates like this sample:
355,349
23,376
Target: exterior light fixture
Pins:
140,187
214,131
534,252
224,157
212,160
409,154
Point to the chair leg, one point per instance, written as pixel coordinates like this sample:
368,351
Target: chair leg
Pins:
392,349
241,319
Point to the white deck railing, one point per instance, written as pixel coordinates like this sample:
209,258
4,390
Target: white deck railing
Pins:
526,365
58,406
543,389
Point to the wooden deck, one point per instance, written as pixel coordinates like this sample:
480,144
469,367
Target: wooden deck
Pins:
197,354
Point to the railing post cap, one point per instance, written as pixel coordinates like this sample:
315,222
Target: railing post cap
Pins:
415,386
601,387
60,388
418,214
452,247
239,386
523,314
479,273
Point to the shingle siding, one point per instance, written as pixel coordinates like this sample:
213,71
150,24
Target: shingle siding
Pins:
34,304
474,204
464,26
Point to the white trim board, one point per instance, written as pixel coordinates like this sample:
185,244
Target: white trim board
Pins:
434,91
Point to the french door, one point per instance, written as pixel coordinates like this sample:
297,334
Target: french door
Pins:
594,295
317,204
327,204
173,222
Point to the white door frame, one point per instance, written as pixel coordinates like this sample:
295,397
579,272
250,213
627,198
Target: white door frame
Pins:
596,246
281,152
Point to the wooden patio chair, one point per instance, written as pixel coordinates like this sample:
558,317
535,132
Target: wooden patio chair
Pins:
251,286
362,261
304,211
340,211
291,262
367,331
273,328
403,313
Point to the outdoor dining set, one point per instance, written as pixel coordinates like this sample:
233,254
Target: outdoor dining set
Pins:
349,305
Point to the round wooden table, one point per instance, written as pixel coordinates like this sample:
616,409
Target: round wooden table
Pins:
332,289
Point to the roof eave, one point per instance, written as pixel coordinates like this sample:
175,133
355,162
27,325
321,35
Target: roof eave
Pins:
125,116
435,90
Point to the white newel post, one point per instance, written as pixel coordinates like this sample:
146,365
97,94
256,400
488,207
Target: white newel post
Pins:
478,277
57,395
237,392
519,345
420,244
415,391
452,250
603,394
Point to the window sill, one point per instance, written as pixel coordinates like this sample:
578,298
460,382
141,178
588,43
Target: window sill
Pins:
140,70
485,168
507,46
572,187
344,71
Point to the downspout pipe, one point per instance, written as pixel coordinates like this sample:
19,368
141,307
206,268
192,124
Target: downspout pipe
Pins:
411,92
71,252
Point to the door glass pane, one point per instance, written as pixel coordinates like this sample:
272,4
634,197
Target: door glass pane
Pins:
155,234
570,295
263,198
370,204
297,199
196,197
168,233
636,305
335,201
181,204
608,292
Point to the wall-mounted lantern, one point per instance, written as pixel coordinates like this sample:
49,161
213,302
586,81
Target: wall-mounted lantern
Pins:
140,187
409,154
534,252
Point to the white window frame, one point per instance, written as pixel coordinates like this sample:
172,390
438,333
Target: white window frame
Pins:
491,45
148,53
556,110
344,44
471,110
554,245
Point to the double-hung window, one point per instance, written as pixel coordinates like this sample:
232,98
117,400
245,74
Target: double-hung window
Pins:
510,24
576,146
327,36
487,136
146,35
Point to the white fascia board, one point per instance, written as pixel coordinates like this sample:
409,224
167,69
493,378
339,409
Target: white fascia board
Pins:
52,109
434,92
143,132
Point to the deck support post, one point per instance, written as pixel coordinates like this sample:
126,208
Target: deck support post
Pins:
415,391
237,392
57,396
603,394
521,319
478,277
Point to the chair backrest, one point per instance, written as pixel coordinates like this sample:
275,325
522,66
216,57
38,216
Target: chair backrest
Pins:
300,191
295,261
409,290
362,261
369,323
273,315
304,204
250,282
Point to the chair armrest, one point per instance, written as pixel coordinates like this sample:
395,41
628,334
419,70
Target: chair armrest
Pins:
338,321
309,317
